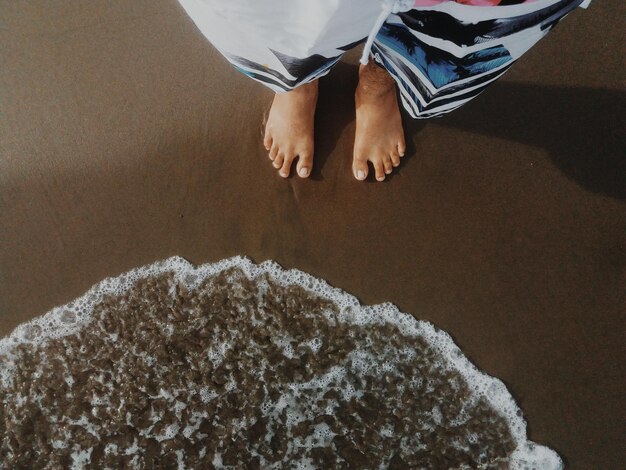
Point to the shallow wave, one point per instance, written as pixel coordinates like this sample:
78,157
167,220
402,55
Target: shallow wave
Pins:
237,365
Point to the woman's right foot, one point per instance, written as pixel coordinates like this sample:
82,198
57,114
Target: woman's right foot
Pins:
289,129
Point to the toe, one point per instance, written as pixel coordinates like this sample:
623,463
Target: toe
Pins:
359,168
273,151
395,158
267,141
401,148
305,163
387,165
278,161
284,170
379,170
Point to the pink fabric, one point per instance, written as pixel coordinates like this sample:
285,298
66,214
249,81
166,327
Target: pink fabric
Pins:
477,3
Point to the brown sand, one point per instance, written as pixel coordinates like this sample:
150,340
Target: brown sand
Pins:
125,138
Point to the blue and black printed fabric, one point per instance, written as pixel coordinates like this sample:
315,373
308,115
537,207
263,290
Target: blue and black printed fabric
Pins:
440,57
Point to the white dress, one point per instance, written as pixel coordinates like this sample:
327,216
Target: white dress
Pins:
441,55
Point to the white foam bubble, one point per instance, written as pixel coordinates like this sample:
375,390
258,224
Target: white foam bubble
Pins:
168,433
80,459
207,395
58,444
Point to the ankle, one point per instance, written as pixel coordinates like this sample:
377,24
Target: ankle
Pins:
374,81
306,89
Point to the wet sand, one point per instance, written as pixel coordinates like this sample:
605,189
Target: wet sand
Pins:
125,138
236,365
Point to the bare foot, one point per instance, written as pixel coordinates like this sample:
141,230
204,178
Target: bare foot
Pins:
379,135
289,129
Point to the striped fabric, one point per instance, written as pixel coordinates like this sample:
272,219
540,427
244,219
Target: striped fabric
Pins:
440,53
478,3
442,57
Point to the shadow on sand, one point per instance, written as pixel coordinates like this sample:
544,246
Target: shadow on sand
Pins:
581,128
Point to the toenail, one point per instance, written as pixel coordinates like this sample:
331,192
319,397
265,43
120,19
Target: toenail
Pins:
388,171
304,171
360,174
380,178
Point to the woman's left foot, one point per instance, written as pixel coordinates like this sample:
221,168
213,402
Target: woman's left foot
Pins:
379,135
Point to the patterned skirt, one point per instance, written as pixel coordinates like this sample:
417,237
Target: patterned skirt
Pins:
441,55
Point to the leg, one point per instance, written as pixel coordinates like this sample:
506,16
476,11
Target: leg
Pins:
285,45
443,56
379,135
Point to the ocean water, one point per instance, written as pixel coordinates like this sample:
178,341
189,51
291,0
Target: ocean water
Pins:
238,365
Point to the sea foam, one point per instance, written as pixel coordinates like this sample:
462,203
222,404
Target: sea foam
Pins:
234,364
